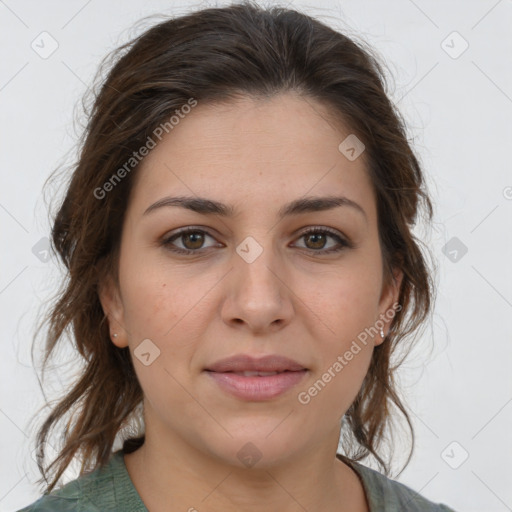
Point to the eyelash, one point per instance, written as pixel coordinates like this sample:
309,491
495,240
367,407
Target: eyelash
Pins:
343,243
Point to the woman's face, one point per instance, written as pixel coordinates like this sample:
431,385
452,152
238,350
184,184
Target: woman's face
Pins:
253,281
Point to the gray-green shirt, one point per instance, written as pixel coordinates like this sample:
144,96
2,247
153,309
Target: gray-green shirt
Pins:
109,488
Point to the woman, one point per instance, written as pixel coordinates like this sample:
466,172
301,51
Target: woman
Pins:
237,233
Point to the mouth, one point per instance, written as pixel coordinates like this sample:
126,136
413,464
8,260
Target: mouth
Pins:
249,373
251,378
257,386
243,363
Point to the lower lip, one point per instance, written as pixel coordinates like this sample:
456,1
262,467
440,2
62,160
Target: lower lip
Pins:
257,388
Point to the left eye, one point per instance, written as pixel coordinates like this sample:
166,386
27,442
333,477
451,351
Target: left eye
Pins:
193,240
318,236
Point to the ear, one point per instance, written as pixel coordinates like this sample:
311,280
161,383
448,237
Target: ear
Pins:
114,311
388,304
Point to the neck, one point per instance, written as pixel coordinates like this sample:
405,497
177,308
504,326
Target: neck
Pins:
176,473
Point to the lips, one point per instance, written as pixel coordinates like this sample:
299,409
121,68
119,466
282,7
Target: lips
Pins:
246,363
256,379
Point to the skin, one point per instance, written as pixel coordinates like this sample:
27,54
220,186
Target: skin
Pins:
255,155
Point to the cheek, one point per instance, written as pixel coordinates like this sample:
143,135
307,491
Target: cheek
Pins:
347,301
156,297
165,306
348,307
166,314
151,308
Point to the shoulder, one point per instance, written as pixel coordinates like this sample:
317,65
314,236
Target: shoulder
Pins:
71,497
385,494
97,491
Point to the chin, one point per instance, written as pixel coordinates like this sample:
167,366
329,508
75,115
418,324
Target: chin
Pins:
257,450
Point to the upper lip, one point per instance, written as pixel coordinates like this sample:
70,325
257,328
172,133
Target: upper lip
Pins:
245,362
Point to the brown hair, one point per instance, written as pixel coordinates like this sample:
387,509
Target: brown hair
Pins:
216,55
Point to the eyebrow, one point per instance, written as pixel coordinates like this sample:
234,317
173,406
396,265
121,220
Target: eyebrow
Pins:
206,206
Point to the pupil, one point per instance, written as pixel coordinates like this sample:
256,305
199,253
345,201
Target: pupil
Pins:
198,237
318,236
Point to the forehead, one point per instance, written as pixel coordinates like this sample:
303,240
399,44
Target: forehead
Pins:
257,150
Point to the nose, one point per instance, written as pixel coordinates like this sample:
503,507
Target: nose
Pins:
258,296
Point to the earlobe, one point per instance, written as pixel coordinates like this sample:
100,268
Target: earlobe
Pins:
113,309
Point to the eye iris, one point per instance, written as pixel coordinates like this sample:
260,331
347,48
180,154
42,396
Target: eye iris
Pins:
317,236
197,239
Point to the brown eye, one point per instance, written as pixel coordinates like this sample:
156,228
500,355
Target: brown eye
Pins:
192,241
316,240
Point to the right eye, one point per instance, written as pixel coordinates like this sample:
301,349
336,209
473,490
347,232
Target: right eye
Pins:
192,239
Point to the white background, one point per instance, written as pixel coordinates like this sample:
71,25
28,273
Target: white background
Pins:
458,381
